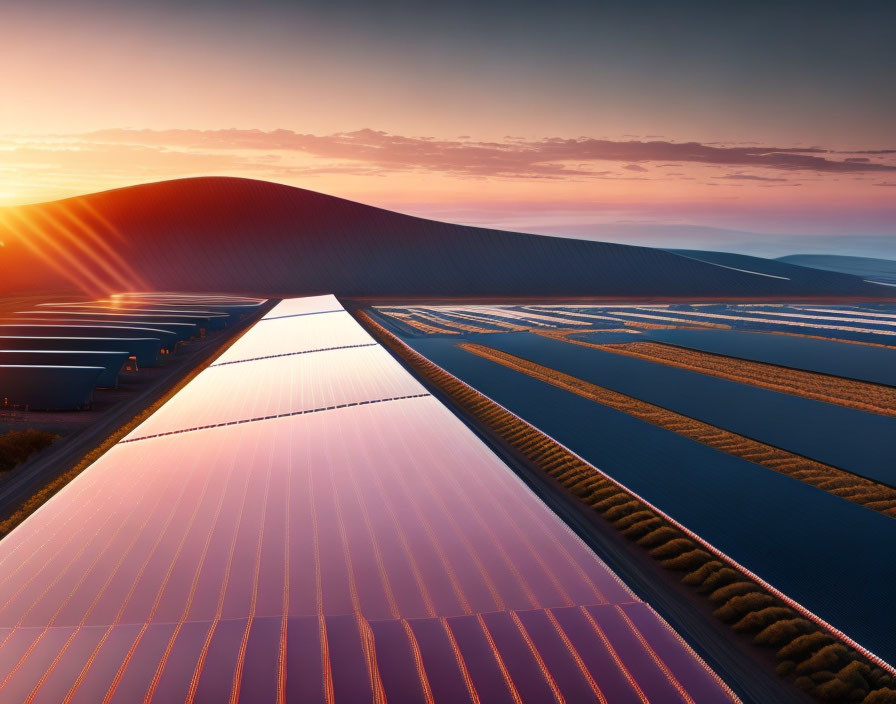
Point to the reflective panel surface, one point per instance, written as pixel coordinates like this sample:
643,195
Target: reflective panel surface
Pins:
358,553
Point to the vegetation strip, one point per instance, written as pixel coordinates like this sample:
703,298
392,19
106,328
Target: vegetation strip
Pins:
868,493
860,395
818,658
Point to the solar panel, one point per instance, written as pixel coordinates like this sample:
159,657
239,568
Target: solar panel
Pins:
298,383
303,306
293,334
360,553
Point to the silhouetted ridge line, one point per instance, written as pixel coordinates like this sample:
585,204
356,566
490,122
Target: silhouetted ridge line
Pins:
230,234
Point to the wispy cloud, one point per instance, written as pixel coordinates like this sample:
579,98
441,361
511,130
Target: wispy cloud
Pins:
750,177
552,157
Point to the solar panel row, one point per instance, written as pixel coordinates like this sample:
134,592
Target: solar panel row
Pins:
317,527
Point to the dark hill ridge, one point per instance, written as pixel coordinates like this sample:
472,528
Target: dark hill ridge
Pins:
229,234
883,270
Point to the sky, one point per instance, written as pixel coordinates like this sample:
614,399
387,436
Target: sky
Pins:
669,123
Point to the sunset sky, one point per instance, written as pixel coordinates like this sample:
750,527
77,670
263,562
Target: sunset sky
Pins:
663,121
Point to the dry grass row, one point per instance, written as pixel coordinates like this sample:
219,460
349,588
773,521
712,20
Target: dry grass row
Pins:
868,493
828,339
861,395
813,658
420,326
452,324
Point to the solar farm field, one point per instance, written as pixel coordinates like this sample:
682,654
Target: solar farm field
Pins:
795,482
311,524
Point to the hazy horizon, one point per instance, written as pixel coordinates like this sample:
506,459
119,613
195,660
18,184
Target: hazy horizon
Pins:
575,119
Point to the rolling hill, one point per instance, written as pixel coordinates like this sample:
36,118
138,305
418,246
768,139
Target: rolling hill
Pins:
882,270
240,235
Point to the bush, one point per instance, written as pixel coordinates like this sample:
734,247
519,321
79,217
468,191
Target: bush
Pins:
16,446
688,560
881,696
673,548
828,657
804,683
635,518
611,501
738,606
856,674
783,631
723,594
832,690
658,537
720,578
642,527
620,511
699,576
758,620
805,645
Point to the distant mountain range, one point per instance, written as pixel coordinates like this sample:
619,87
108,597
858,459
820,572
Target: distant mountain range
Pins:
869,268
240,235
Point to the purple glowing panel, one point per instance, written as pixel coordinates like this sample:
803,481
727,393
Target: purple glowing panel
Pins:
282,385
213,521
303,306
295,335
674,654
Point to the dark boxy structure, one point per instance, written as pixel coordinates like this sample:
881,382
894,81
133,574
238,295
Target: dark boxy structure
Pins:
112,362
145,349
48,387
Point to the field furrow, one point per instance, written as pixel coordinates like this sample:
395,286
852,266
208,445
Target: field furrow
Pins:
863,396
873,495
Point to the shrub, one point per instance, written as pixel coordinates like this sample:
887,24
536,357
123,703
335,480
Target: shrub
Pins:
804,683
659,536
737,606
635,518
700,575
642,528
805,645
672,548
688,560
720,578
856,674
783,631
16,446
611,501
723,594
826,658
622,510
758,620
832,690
